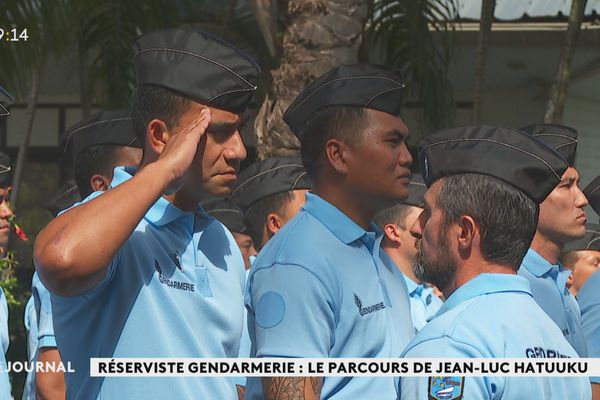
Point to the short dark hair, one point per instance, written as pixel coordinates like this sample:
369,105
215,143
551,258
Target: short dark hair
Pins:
393,215
255,216
100,159
506,217
149,102
340,122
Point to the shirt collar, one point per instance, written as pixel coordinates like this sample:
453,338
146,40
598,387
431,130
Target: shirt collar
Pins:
411,285
536,264
162,212
336,221
486,284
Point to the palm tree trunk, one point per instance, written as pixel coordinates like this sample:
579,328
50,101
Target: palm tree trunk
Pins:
320,35
485,28
25,136
558,94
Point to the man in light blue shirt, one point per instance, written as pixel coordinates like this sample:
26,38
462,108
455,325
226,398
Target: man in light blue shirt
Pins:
399,245
478,221
141,270
561,221
322,286
589,302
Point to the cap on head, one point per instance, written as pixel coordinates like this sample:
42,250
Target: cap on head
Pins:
268,177
228,213
6,101
592,192
106,127
360,85
197,65
507,154
67,195
590,241
416,191
5,169
560,138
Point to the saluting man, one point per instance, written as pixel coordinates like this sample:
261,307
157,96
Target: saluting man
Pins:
561,221
141,270
480,215
322,286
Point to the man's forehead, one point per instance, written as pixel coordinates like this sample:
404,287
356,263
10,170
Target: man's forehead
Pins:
388,121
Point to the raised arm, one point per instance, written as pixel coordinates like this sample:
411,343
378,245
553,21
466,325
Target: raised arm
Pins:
74,250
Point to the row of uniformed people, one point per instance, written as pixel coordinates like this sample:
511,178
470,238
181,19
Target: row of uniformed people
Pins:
326,284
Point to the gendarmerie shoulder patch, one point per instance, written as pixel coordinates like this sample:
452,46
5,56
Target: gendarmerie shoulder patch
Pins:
445,387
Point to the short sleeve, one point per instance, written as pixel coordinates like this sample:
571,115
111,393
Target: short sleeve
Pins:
472,387
43,308
96,291
291,312
4,322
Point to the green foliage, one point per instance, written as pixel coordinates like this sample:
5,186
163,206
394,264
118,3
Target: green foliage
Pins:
416,37
8,282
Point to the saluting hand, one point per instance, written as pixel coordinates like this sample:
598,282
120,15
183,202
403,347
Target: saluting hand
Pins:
180,150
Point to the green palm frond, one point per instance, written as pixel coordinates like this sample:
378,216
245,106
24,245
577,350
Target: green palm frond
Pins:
416,37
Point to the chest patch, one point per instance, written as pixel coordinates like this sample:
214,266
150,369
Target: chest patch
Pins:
445,387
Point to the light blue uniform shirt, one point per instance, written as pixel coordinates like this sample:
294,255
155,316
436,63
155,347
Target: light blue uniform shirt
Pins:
492,316
4,342
423,303
174,289
323,287
589,302
549,289
40,330
30,321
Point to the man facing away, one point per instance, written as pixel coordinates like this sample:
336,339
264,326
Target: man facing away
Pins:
165,279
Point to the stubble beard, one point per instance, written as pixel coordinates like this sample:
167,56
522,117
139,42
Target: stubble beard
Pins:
437,269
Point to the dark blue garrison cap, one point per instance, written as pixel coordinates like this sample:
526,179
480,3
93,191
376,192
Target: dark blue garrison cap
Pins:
228,213
560,138
360,85
507,154
106,127
592,192
197,65
268,177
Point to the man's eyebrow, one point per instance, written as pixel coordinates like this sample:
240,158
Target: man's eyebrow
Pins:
223,125
396,132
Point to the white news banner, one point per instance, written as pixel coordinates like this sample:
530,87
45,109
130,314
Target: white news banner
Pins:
187,367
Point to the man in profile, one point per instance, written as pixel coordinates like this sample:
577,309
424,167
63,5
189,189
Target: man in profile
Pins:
478,221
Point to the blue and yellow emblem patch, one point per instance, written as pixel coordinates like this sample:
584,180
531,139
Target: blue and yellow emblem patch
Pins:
445,387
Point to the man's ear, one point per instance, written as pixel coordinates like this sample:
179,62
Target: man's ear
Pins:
336,153
467,233
273,224
392,234
99,183
157,135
